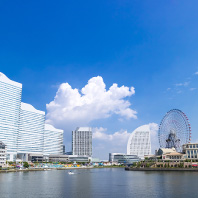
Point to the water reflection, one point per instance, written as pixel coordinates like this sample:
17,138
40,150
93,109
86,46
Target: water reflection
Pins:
98,183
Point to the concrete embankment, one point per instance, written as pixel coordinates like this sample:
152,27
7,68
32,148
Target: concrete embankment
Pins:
42,169
18,170
48,169
161,169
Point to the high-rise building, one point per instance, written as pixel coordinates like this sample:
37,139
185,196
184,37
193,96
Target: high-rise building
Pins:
22,127
10,104
53,140
139,142
82,141
31,130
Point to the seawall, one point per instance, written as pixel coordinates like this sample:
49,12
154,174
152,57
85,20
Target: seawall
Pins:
161,169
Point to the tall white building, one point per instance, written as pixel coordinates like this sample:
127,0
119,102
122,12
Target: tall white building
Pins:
31,130
82,141
10,104
139,142
22,127
53,140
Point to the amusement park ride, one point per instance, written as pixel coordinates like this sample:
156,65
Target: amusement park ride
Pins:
174,130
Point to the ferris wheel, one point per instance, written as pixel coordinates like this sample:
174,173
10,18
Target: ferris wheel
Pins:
174,130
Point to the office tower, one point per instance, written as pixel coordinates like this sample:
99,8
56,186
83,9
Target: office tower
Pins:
139,142
53,140
82,141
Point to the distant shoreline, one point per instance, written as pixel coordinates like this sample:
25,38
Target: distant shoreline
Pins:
161,169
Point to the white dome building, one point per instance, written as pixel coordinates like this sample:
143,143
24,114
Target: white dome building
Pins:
139,142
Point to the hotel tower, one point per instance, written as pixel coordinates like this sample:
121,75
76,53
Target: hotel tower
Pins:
22,127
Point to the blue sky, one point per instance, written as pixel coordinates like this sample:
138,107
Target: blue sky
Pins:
150,45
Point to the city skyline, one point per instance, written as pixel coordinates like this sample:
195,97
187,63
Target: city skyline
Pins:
151,52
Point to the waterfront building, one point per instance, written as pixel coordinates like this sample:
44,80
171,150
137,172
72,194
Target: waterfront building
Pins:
173,156
82,141
69,158
79,158
123,158
139,142
10,104
3,153
31,130
22,126
58,158
53,140
191,151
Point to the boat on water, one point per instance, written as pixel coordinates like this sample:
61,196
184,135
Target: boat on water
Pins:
70,173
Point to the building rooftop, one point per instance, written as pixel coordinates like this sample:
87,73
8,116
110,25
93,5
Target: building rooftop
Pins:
4,78
168,150
83,129
175,153
29,107
49,127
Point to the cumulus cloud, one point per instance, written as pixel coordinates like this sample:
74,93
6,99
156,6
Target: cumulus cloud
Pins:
78,108
154,137
120,136
117,142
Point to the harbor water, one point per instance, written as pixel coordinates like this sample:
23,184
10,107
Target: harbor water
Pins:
97,183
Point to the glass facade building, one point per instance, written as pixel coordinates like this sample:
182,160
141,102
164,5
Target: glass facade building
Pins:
82,141
10,104
139,142
50,145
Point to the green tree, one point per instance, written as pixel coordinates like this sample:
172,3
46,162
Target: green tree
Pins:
147,165
25,165
134,164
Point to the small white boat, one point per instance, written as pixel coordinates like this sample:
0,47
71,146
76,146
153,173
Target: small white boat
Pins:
70,173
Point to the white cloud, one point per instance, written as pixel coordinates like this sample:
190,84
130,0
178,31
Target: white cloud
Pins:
105,143
119,137
196,73
72,107
154,137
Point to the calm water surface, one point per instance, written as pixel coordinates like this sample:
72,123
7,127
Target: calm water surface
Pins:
104,182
